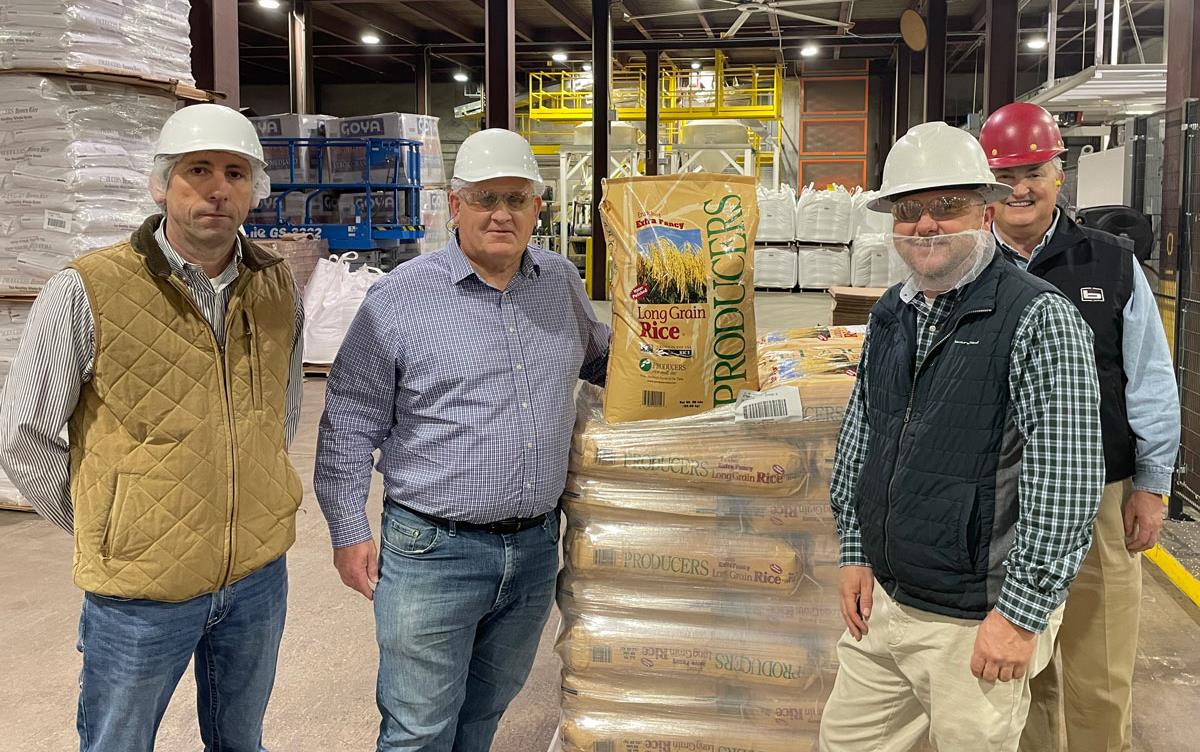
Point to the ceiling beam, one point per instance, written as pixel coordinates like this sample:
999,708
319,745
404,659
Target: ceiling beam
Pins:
707,26
523,31
574,23
277,35
774,21
416,11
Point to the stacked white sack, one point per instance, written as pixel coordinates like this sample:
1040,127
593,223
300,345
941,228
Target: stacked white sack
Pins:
873,263
74,160
144,37
774,267
776,215
822,267
824,216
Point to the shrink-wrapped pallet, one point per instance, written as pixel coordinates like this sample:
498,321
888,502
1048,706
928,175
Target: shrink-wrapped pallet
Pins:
74,160
699,594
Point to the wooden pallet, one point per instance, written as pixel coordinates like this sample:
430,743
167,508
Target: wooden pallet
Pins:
129,78
12,506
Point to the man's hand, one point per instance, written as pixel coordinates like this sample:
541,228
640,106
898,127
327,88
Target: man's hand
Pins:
1143,514
358,566
855,585
1002,649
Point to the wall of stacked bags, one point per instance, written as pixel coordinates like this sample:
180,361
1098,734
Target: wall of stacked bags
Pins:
699,594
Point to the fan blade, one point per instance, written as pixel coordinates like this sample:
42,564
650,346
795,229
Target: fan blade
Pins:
732,2
798,3
681,13
814,19
737,24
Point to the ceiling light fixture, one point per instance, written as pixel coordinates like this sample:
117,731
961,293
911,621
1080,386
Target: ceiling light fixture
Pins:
269,4
696,65
559,57
1037,43
461,77
369,37
809,50
587,67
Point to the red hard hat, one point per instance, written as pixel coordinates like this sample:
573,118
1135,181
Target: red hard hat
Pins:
1020,134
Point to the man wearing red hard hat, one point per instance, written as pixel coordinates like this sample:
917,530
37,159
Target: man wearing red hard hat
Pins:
1139,416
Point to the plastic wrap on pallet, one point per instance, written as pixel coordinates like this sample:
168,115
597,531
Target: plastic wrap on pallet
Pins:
821,267
144,37
309,161
824,216
347,164
777,215
424,128
74,160
435,216
775,267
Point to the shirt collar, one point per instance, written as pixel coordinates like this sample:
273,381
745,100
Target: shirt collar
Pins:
1014,254
181,267
460,266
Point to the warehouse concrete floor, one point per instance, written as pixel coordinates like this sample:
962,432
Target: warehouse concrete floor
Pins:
324,694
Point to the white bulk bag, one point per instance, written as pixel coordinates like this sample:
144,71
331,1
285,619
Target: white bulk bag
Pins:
331,299
824,216
775,267
870,261
822,267
776,215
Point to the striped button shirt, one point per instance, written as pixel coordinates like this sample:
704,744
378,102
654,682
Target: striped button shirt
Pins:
55,359
466,390
1051,381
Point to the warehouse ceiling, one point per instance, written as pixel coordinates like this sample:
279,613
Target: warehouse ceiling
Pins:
453,31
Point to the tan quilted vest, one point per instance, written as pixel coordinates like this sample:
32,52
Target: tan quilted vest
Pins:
180,477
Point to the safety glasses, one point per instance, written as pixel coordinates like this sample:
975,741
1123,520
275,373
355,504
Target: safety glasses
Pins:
514,201
940,209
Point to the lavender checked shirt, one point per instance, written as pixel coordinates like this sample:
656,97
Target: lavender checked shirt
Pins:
466,390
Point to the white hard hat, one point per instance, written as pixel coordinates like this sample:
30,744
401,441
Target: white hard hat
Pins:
210,127
495,153
936,155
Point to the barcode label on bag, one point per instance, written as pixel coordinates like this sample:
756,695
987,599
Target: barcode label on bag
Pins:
601,654
604,557
653,399
57,222
781,402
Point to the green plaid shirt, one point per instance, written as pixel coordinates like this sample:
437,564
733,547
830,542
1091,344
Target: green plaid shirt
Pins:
1056,400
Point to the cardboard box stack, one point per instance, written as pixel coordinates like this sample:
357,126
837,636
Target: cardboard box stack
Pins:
700,590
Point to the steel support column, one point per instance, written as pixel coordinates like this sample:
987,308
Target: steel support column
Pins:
500,65
422,82
935,62
1183,39
652,97
903,91
1000,69
214,34
300,59
597,272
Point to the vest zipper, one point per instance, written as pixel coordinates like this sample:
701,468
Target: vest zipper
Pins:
912,394
223,367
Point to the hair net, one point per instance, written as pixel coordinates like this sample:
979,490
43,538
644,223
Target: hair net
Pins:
942,263
160,175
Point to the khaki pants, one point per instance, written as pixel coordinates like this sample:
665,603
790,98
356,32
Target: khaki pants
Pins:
1097,647
910,679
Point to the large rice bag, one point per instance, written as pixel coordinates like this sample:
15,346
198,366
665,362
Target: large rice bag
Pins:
824,216
777,216
651,731
775,267
683,293
870,261
822,266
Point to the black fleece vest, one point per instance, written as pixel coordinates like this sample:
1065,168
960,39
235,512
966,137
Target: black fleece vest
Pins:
927,498
1095,271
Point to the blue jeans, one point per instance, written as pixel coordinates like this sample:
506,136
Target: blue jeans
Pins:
458,617
135,651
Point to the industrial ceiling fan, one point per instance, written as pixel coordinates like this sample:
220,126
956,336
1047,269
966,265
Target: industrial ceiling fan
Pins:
749,7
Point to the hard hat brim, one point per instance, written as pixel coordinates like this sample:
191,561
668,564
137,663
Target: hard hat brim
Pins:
1023,160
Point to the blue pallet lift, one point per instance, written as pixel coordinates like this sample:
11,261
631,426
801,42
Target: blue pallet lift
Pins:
396,160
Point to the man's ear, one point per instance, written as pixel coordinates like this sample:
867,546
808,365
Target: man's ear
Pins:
989,214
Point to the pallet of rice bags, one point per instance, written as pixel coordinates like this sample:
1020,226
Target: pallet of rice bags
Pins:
761,708
702,554
675,650
596,498
682,250
811,609
651,732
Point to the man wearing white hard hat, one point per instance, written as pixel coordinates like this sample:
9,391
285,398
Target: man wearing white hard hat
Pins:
968,471
173,361
460,368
